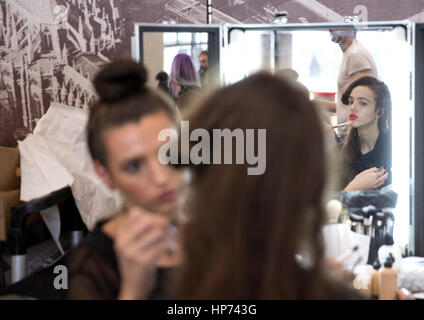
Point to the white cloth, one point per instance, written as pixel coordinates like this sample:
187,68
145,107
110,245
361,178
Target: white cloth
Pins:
411,275
356,58
41,172
338,239
56,156
51,217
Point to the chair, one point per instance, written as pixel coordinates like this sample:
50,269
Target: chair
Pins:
9,196
16,235
16,216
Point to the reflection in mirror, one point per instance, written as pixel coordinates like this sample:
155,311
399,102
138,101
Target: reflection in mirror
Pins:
161,47
248,52
317,61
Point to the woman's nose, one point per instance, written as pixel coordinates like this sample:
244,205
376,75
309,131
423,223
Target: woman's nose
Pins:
159,173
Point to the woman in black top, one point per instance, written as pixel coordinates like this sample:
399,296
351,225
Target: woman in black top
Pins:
367,151
123,140
93,271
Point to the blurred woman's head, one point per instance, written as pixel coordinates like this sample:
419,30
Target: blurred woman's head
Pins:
122,134
244,231
183,73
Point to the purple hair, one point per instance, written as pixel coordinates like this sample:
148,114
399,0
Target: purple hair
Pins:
182,73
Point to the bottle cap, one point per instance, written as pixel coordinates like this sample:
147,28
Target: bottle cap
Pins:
388,240
376,265
389,261
334,208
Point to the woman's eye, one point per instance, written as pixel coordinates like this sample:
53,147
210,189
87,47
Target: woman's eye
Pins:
364,103
132,166
350,103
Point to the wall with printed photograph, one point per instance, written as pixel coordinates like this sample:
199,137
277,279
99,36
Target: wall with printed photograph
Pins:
51,49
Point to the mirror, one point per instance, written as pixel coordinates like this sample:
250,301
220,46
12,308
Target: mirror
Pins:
240,50
163,47
157,46
317,60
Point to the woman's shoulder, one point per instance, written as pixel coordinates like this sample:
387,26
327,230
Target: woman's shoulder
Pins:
187,95
92,268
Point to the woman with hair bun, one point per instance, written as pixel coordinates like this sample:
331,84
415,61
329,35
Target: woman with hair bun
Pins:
122,135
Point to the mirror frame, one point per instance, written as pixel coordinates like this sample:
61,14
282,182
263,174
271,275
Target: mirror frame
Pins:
417,133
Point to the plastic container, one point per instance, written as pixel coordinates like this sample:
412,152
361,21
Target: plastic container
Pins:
387,283
363,279
375,279
390,247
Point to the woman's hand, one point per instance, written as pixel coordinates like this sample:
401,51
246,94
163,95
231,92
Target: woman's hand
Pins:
140,240
338,271
372,178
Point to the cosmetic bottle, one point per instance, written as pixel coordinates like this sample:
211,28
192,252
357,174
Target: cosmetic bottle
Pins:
390,248
387,283
334,209
363,280
375,279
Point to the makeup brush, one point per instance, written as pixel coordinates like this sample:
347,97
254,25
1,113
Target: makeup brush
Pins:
344,124
347,254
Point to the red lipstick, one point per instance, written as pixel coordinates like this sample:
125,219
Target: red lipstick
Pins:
166,197
353,117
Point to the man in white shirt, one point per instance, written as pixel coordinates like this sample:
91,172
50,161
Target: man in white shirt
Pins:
357,62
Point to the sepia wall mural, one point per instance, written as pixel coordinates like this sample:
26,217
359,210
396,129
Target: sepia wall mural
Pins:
50,50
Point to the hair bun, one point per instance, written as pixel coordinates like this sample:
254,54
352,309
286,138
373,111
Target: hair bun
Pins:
120,79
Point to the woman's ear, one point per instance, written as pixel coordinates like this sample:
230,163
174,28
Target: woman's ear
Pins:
380,112
103,173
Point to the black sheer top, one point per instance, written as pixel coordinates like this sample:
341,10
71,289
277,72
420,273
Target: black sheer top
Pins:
379,157
94,272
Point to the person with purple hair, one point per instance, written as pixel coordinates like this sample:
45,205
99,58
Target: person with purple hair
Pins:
183,80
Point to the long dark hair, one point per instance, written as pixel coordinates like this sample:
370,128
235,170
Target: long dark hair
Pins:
243,232
352,147
124,98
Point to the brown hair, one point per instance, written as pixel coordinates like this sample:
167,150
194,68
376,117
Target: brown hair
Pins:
352,147
243,232
124,98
